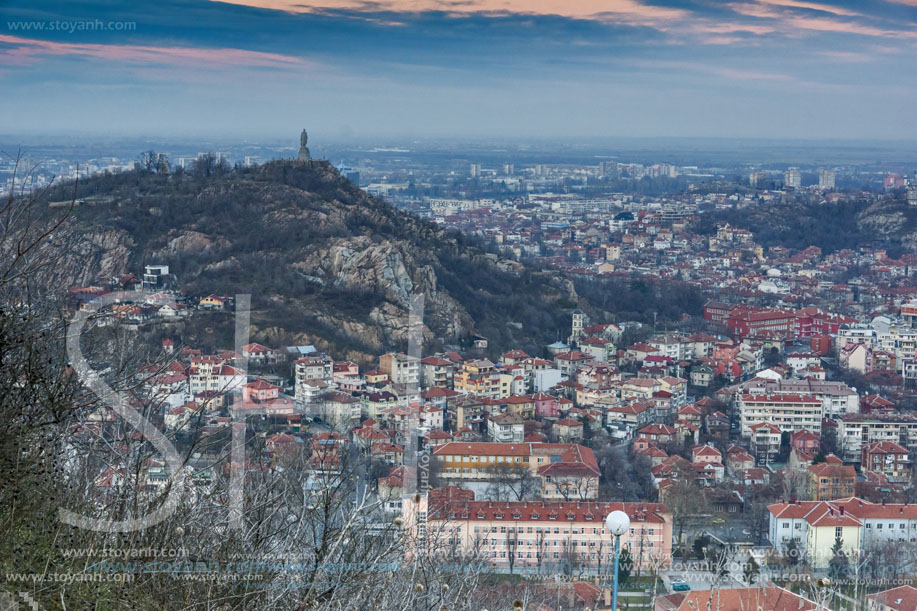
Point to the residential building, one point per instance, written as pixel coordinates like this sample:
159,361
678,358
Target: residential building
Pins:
436,372
568,430
259,354
831,480
574,464
506,428
836,397
889,459
478,377
400,368
764,441
862,526
856,430
312,375
788,411
569,362
529,535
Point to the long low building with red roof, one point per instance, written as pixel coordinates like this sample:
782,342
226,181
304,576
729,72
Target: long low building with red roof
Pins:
536,534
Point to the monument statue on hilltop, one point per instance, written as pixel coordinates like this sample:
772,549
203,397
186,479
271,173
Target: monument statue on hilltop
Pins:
303,149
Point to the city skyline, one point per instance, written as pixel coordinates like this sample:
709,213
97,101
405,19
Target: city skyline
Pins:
783,69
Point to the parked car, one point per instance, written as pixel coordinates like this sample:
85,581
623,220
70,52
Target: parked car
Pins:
680,586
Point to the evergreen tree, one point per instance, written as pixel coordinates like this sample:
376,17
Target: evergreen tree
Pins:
839,564
792,553
625,566
751,572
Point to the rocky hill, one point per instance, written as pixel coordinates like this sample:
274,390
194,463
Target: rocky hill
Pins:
888,222
890,219
325,263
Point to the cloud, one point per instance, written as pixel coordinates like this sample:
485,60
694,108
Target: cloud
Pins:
825,24
750,75
797,15
628,12
814,6
26,50
848,56
728,23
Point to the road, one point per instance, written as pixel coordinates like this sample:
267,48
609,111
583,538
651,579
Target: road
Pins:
697,574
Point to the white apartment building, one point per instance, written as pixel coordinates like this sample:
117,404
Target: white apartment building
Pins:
862,526
789,412
856,430
837,398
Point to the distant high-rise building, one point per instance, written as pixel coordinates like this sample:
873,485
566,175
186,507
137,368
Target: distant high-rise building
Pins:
826,179
792,178
912,191
475,170
541,169
349,173
509,169
609,169
252,160
755,177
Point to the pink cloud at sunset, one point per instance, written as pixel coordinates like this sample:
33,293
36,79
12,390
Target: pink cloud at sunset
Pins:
25,50
772,16
630,12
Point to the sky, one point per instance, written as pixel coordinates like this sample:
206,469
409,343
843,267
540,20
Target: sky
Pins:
838,69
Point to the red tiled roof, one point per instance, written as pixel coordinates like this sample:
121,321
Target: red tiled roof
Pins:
771,598
884,447
902,598
448,504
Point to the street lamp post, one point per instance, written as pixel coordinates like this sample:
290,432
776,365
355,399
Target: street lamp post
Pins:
617,522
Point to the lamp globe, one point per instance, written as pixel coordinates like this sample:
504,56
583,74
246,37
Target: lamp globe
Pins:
617,522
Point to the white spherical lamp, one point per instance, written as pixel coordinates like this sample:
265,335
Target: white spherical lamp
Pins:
617,522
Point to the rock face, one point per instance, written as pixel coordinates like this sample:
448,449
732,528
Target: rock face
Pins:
891,219
79,257
187,242
324,262
885,221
